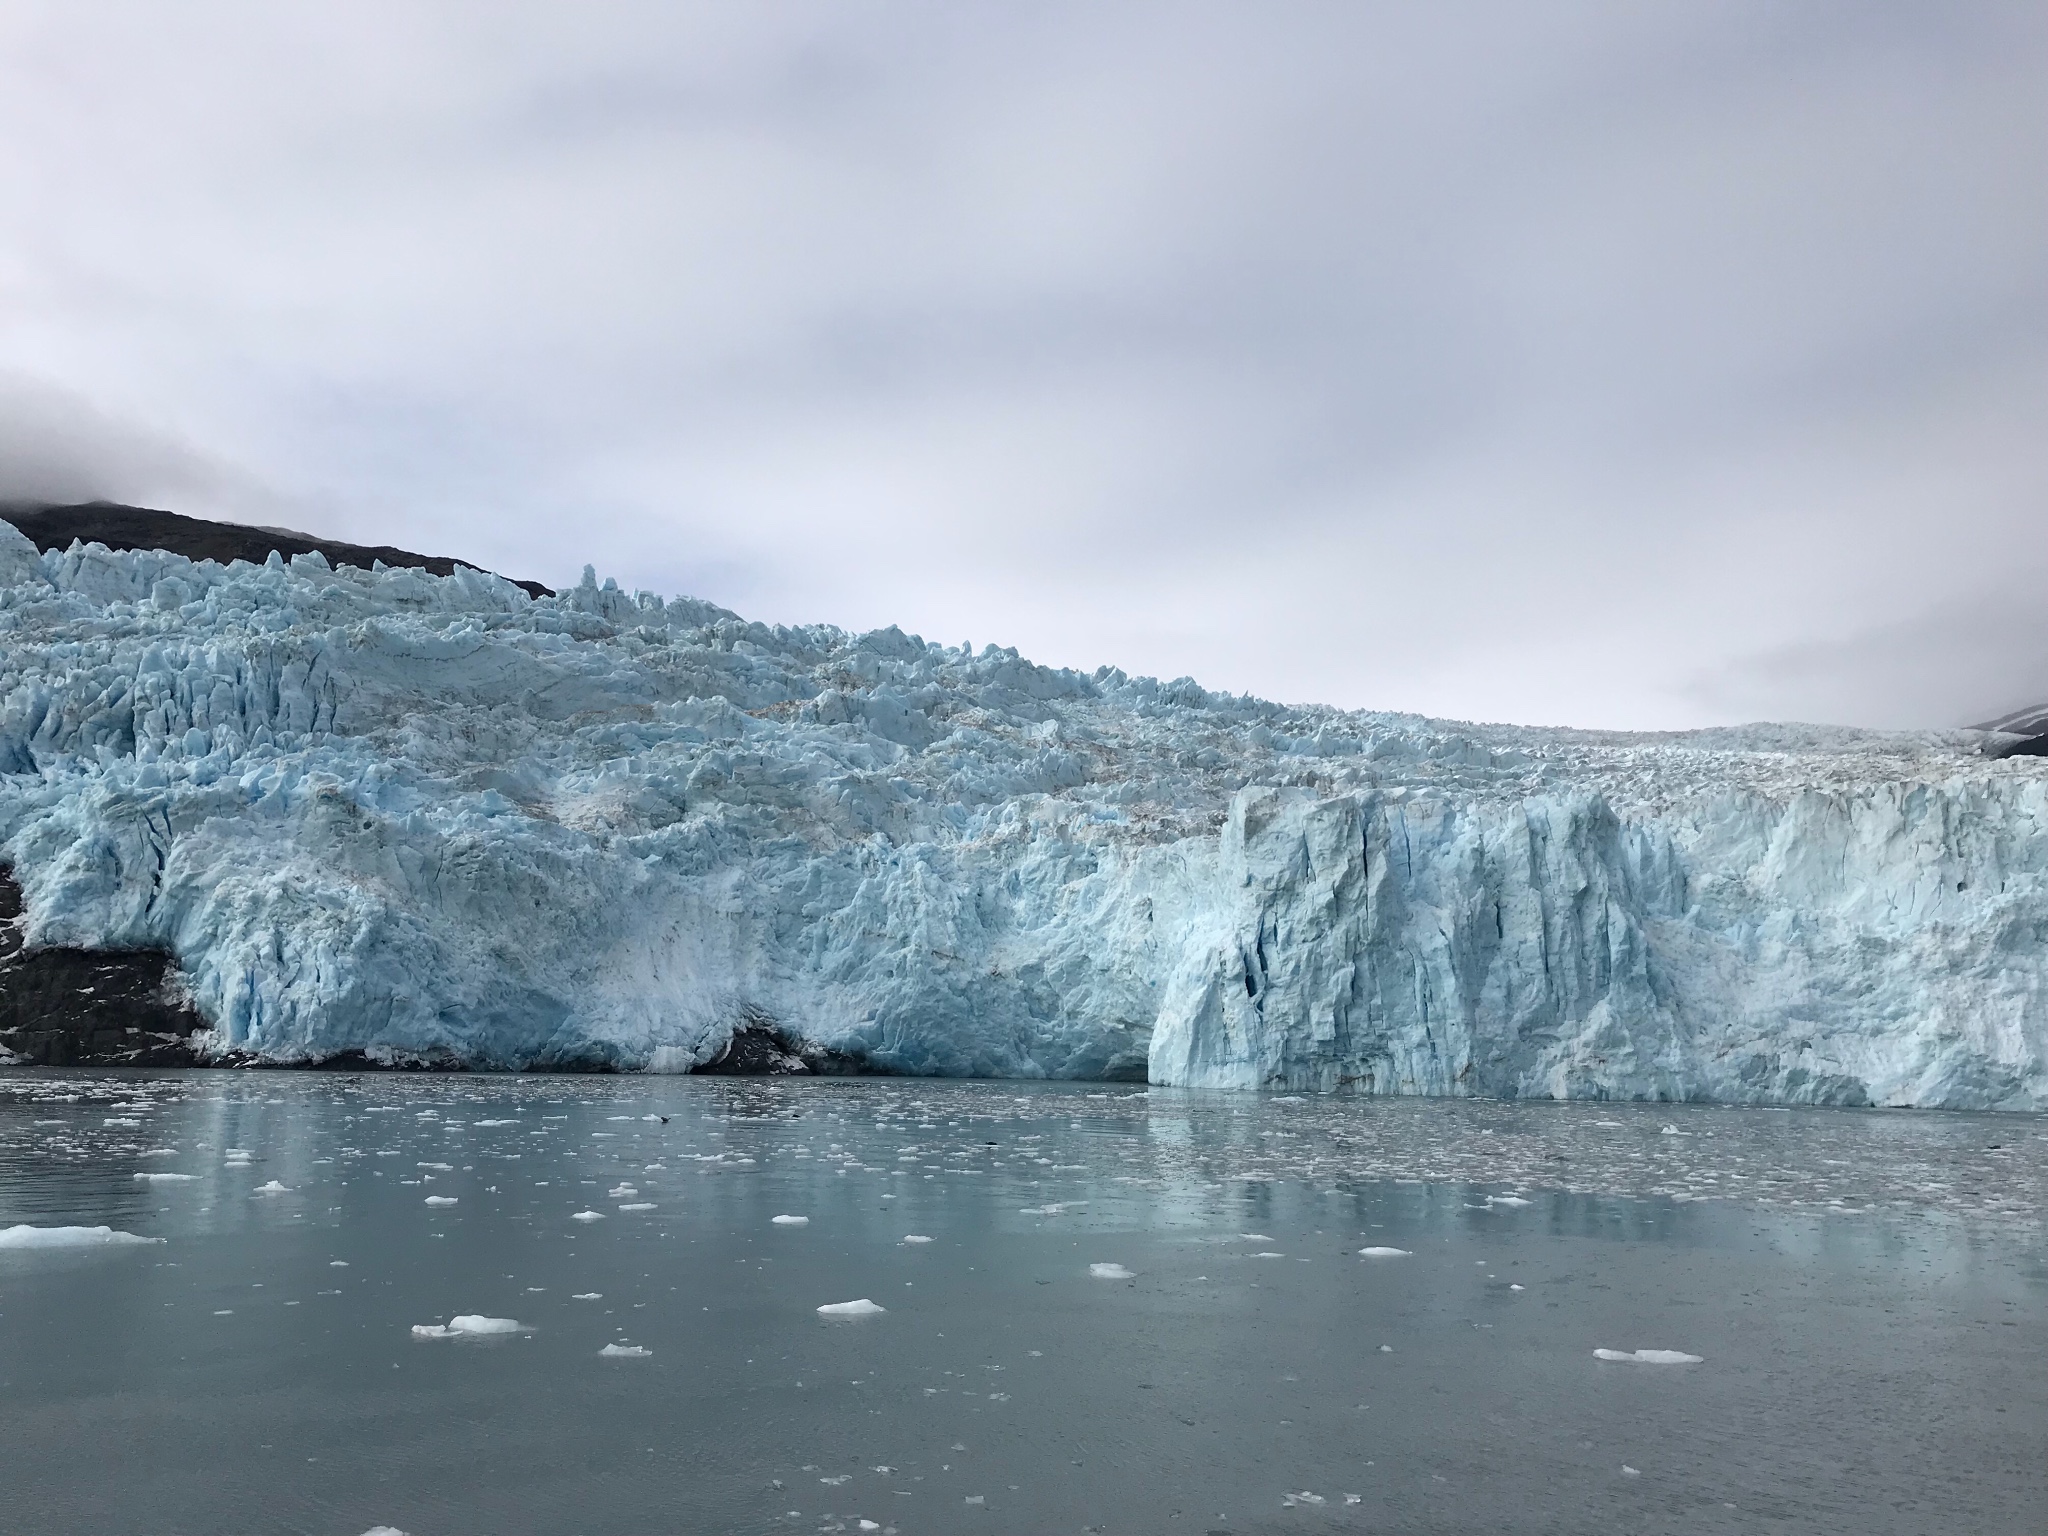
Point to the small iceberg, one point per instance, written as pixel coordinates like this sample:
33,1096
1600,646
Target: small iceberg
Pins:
68,1237
587,1216
1384,1253
861,1308
790,1221
1111,1272
624,1352
165,1178
1649,1356
443,1199
916,1238
468,1326
638,1205
275,1188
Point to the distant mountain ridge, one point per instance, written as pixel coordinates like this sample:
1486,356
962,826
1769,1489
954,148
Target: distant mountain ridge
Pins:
119,526
2029,724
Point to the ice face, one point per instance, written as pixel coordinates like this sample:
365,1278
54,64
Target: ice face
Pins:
423,816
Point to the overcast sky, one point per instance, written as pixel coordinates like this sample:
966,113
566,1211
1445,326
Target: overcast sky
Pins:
1623,365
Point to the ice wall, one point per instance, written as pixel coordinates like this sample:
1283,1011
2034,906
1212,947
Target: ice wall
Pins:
422,816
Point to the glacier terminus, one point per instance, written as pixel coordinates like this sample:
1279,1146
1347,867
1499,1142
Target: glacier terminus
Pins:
436,819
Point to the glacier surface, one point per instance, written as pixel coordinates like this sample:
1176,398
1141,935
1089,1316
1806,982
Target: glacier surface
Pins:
431,817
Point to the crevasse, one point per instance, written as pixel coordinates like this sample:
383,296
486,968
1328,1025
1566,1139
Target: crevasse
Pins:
425,816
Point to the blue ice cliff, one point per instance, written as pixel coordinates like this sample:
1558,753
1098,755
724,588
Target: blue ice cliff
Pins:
429,817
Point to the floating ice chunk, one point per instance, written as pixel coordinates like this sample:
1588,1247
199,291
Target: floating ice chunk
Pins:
438,1167
119,1120
587,1216
1505,1200
337,1263
860,1308
1354,1498
588,1296
638,1205
916,1238
1629,1471
1253,1237
1378,1252
624,1352
1650,1356
494,1122
383,1530
1304,1497
275,1188
1671,1130
1612,1125
443,1199
166,1178
1513,1287
237,1152
1111,1272
623,1192
790,1221
68,1237
466,1326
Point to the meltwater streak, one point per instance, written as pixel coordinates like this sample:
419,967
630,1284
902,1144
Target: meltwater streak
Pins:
258,1369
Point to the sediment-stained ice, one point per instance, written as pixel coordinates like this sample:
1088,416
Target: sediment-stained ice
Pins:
431,818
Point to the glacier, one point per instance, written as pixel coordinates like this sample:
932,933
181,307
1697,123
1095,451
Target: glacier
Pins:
437,819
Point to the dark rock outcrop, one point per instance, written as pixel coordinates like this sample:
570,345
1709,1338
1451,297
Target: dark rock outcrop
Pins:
2023,733
88,1007
760,1047
198,538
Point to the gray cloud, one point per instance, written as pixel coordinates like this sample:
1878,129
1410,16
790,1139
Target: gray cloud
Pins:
1588,363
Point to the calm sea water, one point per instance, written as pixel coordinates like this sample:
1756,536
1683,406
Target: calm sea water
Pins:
1867,1291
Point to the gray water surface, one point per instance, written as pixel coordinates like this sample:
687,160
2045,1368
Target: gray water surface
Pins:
1867,1291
